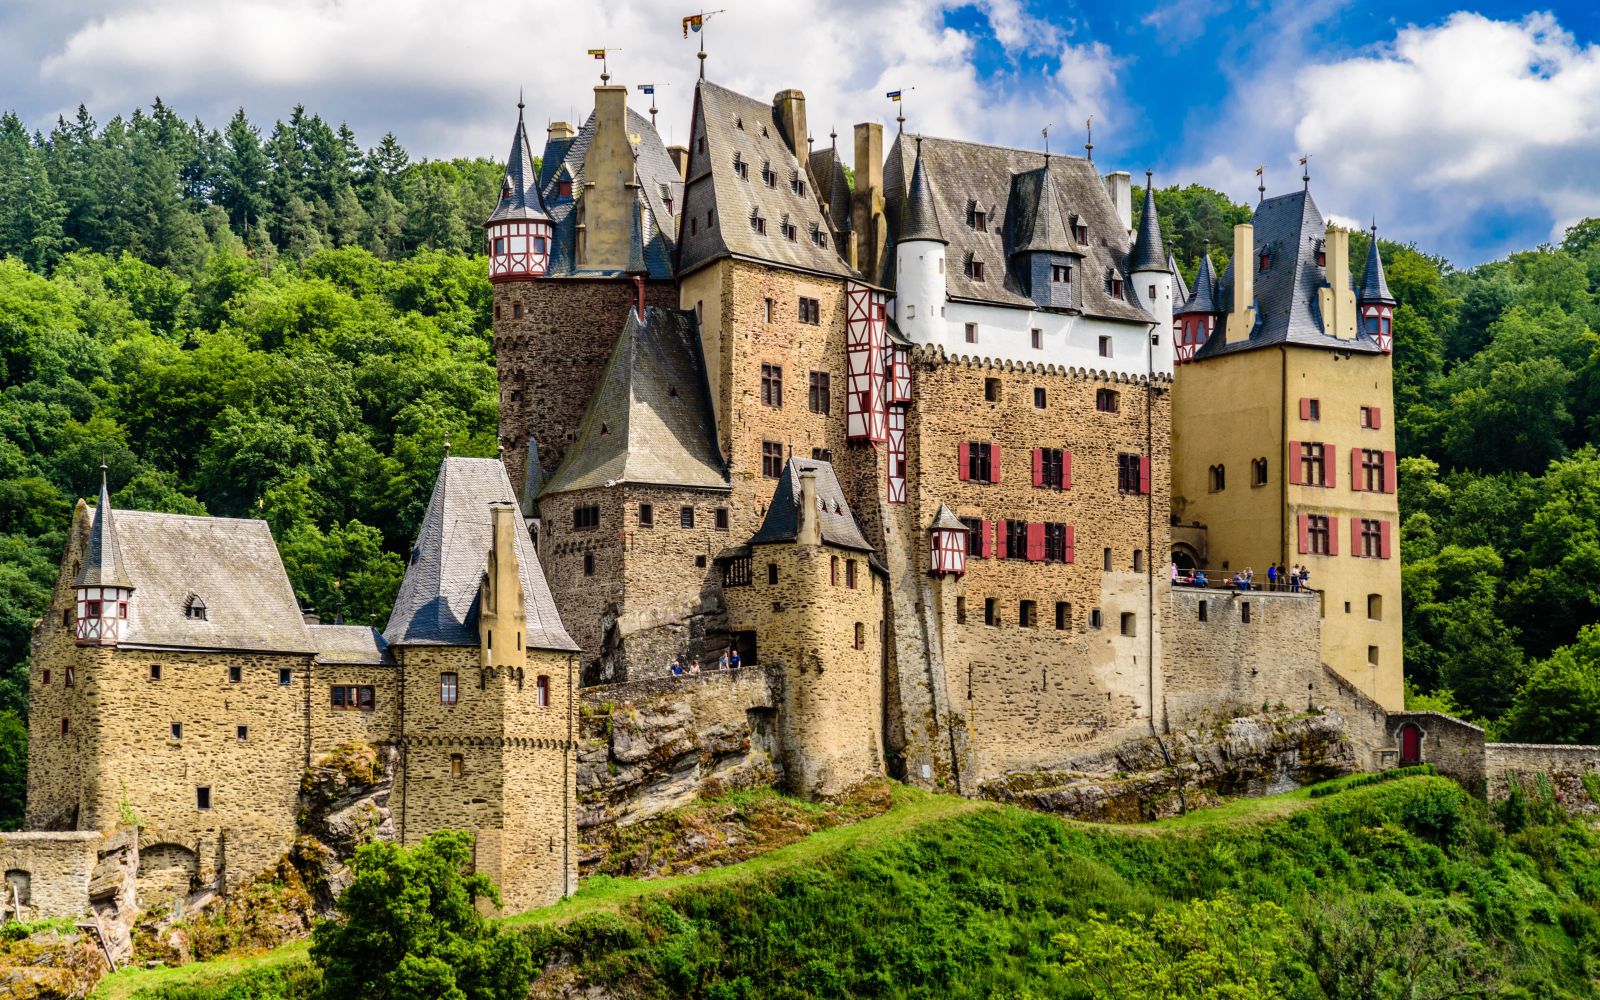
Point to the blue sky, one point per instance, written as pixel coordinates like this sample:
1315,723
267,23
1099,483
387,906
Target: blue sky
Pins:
1470,131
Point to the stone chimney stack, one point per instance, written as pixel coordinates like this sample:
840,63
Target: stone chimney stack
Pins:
1119,184
789,108
559,130
501,614
1242,310
810,531
1338,298
680,159
610,186
866,202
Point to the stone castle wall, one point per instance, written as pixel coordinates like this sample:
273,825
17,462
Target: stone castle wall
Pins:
1563,765
49,871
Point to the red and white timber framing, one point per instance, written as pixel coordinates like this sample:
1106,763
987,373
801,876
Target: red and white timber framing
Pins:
518,249
866,311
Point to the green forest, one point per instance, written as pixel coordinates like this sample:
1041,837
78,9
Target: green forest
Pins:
276,323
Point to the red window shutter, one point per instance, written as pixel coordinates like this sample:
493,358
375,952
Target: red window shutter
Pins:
1377,417
1066,474
986,542
1333,536
994,463
1305,407
1035,541
1294,465
1038,466
1071,539
1389,480
1384,535
1000,531
963,456
1331,463
1144,474
1305,533
1357,543
1357,480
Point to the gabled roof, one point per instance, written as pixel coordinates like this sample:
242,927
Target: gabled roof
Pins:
837,521
920,220
660,196
227,565
102,563
1374,284
1290,229
1203,299
1033,211
732,124
963,172
520,198
944,519
651,419
827,173
358,644
1180,288
438,600
1149,253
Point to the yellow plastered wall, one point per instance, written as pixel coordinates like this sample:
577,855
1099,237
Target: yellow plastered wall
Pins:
609,187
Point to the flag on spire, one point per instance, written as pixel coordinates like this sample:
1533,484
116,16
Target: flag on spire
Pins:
893,95
598,53
692,23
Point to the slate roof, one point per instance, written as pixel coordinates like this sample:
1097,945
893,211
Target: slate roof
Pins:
715,187
1290,228
965,171
660,196
651,419
1374,284
231,565
1180,288
1203,299
1033,213
837,521
827,173
520,199
356,644
102,562
438,600
1149,253
945,519
920,220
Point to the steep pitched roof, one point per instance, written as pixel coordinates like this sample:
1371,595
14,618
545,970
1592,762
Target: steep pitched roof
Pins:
520,197
102,563
1290,229
963,172
360,644
1033,211
1374,284
920,220
1149,253
827,173
837,521
945,519
1203,299
1180,288
438,600
733,124
660,196
651,419
230,565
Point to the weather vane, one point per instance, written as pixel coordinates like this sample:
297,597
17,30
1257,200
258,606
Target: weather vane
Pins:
895,96
697,23
1088,142
650,88
1305,170
1046,133
600,54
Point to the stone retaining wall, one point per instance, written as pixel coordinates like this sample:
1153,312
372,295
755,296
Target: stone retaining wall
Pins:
1564,765
57,866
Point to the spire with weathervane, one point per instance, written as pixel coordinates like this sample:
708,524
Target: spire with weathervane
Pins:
104,589
1374,304
517,234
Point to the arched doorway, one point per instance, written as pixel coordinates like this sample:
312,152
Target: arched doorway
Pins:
1410,744
1185,557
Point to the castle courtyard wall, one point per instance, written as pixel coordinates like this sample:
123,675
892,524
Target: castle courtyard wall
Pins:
50,870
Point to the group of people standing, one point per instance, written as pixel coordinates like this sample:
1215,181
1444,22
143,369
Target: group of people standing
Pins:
1293,579
683,666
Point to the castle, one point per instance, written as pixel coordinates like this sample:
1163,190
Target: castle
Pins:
924,448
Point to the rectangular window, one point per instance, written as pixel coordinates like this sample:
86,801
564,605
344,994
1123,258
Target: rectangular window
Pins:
980,220
586,517
850,573
516,310
991,390
1095,618
1258,472
771,459
1105,347
1060,273
1130,623
1313,467
820,393
1063,615
1056,547
64,725
1052,469
719,518
177,730
991,611
772,574
458,766
285,676
1127,473
202,797
1105,400
772,385
1039,398
354,697
979,468
961,611
1310,409
822,455
241,733
235,675
541,691
1038,339
972,333
1317,534
155,671
647,515
686,517
766,310
1371,538
810,312
588,564
44,676
974,536
447,688
1244,612
1027,614
1202,610
1016,539
71,678
1373,465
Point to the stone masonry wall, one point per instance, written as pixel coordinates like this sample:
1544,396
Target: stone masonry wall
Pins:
1563,765
1223,664
50,870
549,360
1454,747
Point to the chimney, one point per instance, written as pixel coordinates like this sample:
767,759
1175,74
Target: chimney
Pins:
610,186
789,108
501,615
810,532
1119,185
680,159
1337,298
866,201
1242,311
311,617
559,130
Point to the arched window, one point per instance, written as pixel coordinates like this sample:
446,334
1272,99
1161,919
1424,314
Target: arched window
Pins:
1219,479
1258,472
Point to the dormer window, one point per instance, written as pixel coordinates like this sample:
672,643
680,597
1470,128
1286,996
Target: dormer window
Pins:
973,267
768,175
1114,284
977,218
195,608
740,167
791,232
818,236
1061,273
1080,231
1266,261
757,222
505,192
738,122
764,132
564,188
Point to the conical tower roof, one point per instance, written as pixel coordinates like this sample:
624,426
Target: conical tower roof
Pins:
945,519
921,221
519,200
102,564
1374,286
1203,298
1180,288
1149,254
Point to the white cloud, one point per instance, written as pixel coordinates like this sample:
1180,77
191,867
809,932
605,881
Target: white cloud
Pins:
1442,127
444,76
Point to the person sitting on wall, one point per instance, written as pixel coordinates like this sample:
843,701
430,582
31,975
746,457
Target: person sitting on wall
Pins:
694,667
733,658
676,669
1200,578
722,661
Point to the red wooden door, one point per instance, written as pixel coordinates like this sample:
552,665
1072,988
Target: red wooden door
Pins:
1410,744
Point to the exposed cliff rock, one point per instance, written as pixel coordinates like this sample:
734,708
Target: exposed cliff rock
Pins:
1155,778
49,965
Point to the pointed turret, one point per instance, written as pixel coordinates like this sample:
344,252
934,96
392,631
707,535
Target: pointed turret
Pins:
1152,279
1374,303
1180,288
919,259
1196,318
518,231
104,589
921,220
947,539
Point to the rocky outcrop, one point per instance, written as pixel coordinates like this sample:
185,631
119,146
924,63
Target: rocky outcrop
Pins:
1158,777
49,966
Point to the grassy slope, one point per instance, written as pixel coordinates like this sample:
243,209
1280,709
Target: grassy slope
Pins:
944,896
